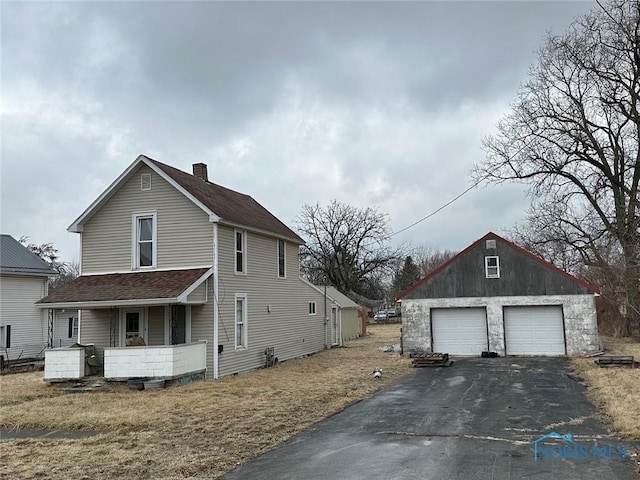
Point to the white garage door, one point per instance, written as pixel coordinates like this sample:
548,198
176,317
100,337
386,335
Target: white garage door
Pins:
534,330
459,331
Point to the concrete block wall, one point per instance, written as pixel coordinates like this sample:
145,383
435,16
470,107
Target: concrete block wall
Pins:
580,320
163,361
64,363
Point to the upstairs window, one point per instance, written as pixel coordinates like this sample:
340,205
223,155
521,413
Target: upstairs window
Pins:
492,267
241,254
144,240
312,308
281,259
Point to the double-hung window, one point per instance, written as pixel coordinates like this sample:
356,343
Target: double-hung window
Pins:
241,320
281,259
492,267
144,240
241,251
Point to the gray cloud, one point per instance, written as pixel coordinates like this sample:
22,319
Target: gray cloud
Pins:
381,103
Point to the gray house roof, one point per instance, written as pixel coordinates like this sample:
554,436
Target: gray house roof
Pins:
16,258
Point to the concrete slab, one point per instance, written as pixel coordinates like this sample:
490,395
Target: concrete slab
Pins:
475,420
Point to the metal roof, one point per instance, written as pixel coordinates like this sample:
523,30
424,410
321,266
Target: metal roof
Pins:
16,258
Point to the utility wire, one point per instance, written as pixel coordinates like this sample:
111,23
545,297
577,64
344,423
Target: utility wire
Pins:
438,209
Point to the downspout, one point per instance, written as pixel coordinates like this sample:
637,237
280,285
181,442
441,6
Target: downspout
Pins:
215,302
326,320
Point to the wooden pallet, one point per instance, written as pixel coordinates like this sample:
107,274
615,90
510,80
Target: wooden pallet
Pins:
431,360
606,361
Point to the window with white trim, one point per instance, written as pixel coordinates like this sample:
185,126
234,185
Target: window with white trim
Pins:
241,251
312,308
144,240
241,320
73,327
281,258
492,267
145,181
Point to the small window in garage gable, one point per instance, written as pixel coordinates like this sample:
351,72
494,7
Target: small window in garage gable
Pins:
492,267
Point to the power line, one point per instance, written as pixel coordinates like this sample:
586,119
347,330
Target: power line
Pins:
439,208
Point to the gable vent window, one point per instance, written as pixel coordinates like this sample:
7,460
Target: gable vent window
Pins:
145,181
492,267
491,244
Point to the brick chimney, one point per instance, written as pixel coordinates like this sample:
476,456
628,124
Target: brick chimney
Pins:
200,170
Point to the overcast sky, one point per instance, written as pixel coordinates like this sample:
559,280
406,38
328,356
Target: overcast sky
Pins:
373,104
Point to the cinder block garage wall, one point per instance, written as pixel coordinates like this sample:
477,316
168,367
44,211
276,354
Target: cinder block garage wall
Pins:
580,320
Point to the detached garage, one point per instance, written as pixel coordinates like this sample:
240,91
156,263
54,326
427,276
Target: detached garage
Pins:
497,296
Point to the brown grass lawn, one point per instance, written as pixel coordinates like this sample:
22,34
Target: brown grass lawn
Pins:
616,391
198,431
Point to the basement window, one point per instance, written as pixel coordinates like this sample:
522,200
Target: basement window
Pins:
492,267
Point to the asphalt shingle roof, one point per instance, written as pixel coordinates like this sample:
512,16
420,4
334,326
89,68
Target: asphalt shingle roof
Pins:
126,286
229,205
16,258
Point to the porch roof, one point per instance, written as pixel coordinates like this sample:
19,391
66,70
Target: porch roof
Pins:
136,288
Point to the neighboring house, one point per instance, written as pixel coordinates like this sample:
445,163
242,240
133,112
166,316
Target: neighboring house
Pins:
204,276
496,296
24,279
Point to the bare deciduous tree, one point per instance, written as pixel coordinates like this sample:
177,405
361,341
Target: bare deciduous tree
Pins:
347,247
573,135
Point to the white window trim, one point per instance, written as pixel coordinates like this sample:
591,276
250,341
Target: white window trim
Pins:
135,260
143,177
245,314
315,310
244,252
487,267
123,324
284,259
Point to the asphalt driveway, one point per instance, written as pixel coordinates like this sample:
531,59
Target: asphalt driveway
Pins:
474,420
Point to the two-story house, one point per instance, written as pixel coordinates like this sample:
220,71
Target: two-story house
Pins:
199,277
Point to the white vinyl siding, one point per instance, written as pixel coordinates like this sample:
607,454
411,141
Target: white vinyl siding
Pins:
287,327
156,325
62,321
459,331
95,328
534,330
184,233
29,325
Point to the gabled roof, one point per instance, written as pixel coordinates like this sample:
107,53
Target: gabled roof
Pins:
220,203
102,291
16,258
518,248
342,300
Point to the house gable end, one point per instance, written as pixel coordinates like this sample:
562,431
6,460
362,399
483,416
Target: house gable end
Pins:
521,273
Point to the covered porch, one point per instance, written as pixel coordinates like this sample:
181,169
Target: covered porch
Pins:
134,325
